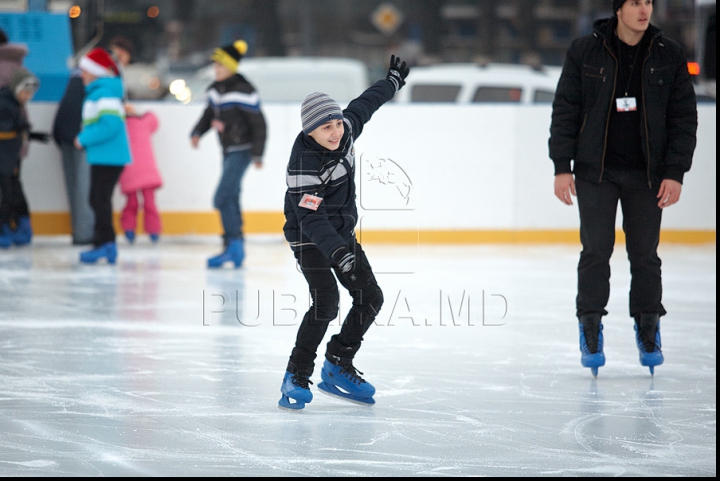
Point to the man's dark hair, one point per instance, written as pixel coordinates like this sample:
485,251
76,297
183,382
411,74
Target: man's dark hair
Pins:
122,42
3,37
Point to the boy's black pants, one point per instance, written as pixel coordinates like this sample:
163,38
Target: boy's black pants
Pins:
102,183
13,204
324,309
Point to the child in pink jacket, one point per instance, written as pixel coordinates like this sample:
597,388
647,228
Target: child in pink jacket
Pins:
141,176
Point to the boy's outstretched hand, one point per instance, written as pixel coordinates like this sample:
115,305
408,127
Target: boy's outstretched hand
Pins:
398,72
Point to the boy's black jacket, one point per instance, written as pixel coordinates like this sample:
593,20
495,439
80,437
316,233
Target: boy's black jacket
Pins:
330,175
235,102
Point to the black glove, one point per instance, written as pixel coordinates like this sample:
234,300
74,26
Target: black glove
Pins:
350,276
398,72
39,136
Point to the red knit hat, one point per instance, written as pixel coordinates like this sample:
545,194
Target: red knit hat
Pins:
99,63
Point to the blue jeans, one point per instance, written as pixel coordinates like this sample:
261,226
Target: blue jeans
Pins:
227,195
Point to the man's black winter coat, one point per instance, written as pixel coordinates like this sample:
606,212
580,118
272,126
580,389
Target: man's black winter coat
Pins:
587,91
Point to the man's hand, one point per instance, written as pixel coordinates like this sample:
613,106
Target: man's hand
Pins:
669,193
39,136
195,141
565,188
77,144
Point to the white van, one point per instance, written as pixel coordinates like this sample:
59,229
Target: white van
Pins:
284,79
471,83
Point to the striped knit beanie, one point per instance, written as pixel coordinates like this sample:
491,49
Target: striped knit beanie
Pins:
318,108
230,55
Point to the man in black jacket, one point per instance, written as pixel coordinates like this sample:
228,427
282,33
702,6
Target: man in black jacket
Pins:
625,113
320,219
66,127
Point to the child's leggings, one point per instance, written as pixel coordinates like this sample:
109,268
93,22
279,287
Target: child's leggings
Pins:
128,219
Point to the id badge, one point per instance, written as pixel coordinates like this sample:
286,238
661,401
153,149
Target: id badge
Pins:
626,104
311,202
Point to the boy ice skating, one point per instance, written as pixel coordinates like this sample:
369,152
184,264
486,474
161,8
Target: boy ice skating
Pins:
320,215
14,134
234,111
104,138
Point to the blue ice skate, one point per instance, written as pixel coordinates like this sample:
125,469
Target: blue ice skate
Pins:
130,236
106,251
235,253
297,388
6,236
648,344
591,345
345,382
23,233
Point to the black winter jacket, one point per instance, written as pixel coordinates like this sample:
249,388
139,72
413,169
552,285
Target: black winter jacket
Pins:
68,118
13,132
235,102
330,175
587,90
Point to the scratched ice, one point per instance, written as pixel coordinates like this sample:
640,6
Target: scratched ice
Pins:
157,366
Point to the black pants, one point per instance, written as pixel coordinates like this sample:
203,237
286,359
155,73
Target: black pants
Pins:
641,224
13,204
102,183
325,298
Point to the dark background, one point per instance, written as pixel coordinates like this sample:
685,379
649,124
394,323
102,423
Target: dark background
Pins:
535,32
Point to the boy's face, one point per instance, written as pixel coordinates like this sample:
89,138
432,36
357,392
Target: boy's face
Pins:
87,78
329,134
25,96
222,72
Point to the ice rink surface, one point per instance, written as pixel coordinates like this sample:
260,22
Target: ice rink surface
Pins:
158,366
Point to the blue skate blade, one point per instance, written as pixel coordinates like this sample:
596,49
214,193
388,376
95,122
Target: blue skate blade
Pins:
284,403
334,391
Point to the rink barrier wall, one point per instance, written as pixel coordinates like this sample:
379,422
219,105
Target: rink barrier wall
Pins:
444,174
202,223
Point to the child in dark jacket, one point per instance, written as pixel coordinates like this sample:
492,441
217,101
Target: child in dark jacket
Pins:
321,215
104,138
14,134
234,111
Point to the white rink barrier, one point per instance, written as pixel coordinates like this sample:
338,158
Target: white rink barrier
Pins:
421,168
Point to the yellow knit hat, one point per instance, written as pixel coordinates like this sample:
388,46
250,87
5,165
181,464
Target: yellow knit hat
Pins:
230,55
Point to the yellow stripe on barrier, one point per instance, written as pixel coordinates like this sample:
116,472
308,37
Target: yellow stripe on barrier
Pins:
208,223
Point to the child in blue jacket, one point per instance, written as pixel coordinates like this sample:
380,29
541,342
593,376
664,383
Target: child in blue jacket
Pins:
104,138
